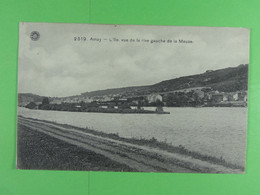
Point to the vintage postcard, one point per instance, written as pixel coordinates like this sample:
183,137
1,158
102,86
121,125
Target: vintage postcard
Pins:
132,98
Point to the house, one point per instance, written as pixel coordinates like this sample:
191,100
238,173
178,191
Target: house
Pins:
209,94
56,101
218,97
242,96
245,98
235,96
199,93
225,97
87,99
154,97
106,98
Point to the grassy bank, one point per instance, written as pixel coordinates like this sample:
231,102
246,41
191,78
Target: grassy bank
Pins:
37,150
154,143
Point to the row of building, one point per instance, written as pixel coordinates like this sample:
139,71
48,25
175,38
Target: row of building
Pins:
205,95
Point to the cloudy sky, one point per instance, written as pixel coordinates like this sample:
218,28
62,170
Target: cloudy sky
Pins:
56,65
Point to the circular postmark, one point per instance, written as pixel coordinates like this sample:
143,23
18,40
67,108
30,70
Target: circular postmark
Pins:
35,35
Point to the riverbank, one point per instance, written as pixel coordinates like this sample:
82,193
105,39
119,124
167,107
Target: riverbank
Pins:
140,155
77,108
41,151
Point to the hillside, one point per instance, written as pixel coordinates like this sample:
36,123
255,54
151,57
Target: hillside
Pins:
28,97
124,90
226,80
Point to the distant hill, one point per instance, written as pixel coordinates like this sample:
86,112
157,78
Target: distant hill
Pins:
122,91
227,80
25,98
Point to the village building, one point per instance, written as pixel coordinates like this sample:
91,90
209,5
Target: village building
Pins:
87,99
209,94
106,98
154,97
235,96
56,101
199,93
245,98
218,97
225,97
242,95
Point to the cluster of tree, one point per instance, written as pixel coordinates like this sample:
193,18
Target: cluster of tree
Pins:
231,86
31,105
183,99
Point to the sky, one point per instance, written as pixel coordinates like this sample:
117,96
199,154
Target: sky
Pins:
57,65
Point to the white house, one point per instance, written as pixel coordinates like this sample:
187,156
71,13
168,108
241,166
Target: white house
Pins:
235,96
154,97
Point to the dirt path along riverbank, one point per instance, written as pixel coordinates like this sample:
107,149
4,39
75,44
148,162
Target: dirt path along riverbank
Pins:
137,157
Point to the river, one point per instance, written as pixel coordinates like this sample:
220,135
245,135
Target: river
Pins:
215,131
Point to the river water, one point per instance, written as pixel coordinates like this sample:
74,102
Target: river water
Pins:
219,132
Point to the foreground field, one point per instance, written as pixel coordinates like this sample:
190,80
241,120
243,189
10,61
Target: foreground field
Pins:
57,146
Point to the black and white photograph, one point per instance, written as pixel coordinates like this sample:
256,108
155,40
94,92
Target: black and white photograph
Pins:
132,98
